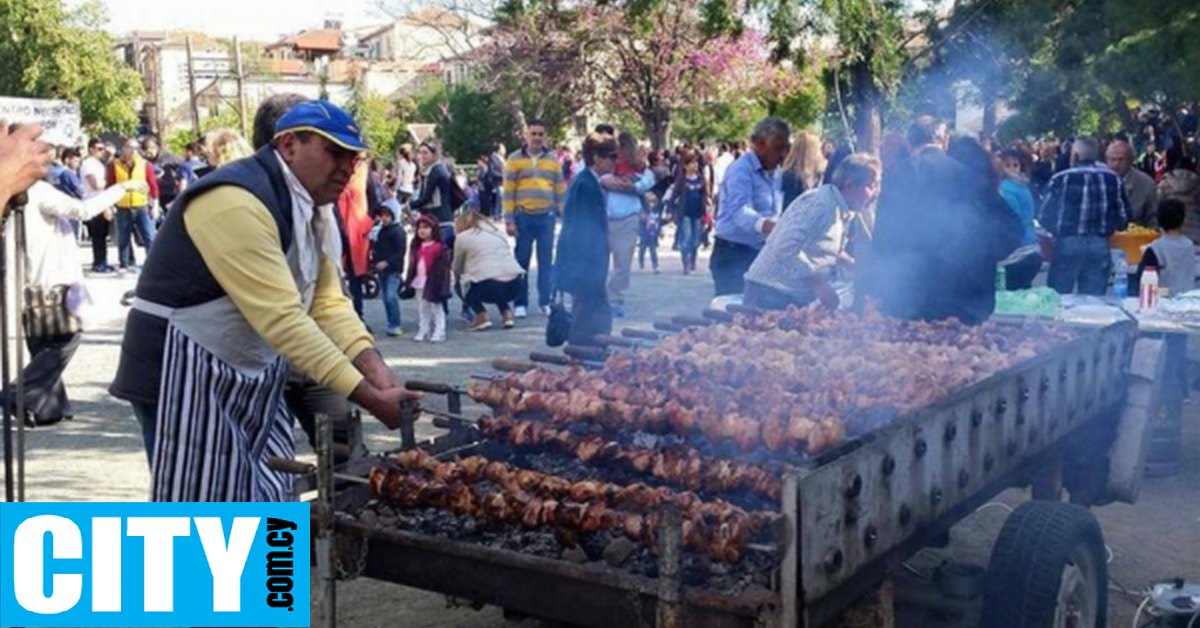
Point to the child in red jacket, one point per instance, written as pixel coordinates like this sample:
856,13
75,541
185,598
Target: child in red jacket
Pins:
429,277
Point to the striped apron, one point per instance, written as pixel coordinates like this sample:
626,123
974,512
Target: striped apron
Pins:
221,414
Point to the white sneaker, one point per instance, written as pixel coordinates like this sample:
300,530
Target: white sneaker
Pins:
520,312
545,309
437,339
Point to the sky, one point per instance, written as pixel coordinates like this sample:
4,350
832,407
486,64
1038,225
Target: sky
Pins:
260,20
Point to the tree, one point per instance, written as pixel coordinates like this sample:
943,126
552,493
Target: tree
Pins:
660,59
50,52
871,42
719,121
469,121
1072,66
870,37
177,139
380,120
539,60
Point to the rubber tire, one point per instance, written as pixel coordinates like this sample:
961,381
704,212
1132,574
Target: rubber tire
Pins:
1026,567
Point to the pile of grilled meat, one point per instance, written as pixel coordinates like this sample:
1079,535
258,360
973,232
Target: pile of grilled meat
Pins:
707,420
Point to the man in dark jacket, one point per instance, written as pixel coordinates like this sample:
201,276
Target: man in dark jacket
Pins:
491,182
581,267
936,245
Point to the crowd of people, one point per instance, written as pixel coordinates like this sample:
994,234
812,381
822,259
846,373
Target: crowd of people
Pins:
259,254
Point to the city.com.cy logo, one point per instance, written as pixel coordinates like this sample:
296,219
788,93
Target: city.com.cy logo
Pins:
149,564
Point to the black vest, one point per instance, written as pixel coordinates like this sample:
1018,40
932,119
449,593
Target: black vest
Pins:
175,274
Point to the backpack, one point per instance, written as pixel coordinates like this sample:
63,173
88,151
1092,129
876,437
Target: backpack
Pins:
170,182
458,196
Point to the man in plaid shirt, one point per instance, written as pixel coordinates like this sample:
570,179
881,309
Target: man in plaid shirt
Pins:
1084,206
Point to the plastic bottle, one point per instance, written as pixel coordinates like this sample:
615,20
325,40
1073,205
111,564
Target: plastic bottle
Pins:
1120,282
1149,294
1001,279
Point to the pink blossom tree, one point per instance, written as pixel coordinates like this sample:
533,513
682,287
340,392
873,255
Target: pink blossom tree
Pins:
660,60
539,57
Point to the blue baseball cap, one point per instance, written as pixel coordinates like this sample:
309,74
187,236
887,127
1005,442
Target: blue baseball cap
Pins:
325,119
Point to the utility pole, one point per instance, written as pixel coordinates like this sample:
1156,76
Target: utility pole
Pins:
191,70
241,85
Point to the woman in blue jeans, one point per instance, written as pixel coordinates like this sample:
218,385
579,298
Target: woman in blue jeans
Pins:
692,200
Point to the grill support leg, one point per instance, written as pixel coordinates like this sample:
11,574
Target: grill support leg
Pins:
325,500
1048,483
670,568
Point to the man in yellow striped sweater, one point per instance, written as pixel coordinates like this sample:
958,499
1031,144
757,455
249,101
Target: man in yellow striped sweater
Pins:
533,196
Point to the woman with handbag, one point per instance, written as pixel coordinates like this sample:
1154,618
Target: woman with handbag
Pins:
437,183
581,265
54,291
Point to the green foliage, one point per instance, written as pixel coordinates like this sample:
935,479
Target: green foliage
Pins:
719,121
178,139
1072,66
469,121
1158,52
50,52
802,107
381,121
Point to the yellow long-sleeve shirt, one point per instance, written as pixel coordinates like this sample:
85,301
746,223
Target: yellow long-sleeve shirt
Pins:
533,184
237,237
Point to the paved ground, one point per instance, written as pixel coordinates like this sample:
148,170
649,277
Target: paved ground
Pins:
98,457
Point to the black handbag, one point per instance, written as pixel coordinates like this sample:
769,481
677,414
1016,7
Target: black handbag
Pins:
46,315
558,327
407,293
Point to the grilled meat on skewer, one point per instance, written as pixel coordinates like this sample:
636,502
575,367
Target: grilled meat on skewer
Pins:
723,540
678,466
635,497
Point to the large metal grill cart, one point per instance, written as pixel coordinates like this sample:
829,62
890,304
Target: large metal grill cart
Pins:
503,511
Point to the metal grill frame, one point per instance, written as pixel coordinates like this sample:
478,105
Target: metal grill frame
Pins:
850,515
875,498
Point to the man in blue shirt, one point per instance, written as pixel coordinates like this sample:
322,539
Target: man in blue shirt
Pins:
748,205
68,181
193,164
631,180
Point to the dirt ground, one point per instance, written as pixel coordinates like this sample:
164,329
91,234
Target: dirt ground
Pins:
98,457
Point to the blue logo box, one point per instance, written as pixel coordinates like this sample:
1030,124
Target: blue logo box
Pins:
152,564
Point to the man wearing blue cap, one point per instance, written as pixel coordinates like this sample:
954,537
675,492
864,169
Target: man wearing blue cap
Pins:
243,280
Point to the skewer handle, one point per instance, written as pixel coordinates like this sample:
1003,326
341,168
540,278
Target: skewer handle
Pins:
641,334
587,354
614,341
743,309
691,321
667,326
429,387
721,316
550,358
512,366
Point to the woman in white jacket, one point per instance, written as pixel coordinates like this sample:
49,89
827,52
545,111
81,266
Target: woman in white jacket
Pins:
52,259
485,268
